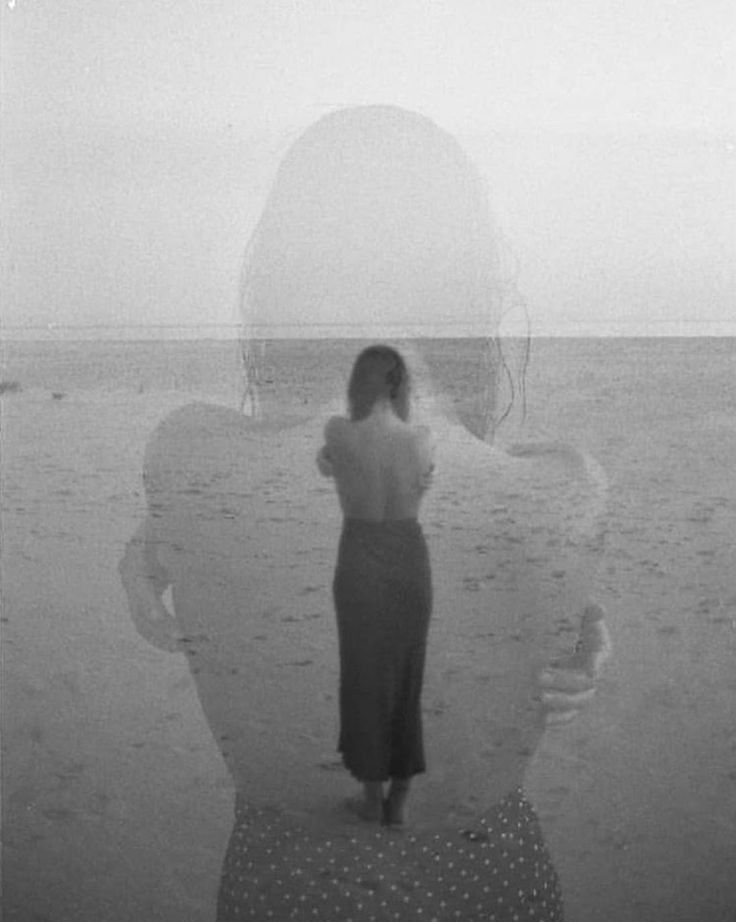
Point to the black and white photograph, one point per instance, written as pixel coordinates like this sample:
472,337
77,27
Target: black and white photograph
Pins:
367,484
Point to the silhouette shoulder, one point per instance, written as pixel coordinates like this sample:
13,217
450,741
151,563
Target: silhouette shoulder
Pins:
541,487
571,481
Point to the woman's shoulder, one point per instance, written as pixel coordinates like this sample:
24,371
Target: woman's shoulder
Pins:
568,480
551,479
554,459
559,460
211,443
195,428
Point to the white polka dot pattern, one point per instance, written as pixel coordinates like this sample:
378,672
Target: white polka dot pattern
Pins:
498,871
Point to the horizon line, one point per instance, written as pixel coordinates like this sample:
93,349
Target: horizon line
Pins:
357,330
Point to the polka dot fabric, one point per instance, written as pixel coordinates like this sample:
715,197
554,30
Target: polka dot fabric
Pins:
497,871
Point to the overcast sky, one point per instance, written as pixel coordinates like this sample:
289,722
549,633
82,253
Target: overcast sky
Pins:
140,138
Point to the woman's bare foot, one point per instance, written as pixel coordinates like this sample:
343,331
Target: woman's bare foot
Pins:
394,807
370,805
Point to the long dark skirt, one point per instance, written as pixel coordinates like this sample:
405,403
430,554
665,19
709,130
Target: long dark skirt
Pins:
383,600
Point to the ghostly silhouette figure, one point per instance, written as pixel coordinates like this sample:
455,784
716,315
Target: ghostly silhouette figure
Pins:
376,218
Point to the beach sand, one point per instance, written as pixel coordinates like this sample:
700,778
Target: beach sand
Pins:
116,803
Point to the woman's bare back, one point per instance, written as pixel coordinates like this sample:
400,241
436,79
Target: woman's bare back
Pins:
381,465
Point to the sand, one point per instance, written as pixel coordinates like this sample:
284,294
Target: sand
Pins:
116,801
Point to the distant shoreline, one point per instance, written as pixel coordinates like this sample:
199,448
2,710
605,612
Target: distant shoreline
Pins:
685,330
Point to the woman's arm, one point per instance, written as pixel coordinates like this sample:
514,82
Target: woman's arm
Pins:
580,488
426,449
324,462
334,430
145,581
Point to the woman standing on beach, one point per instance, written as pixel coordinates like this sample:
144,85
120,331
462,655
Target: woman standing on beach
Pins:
382,588
377,227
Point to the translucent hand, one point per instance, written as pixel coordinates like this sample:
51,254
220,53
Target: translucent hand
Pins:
145,581
426,479
324,462
568,684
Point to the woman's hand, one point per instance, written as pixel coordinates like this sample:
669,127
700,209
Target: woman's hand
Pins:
324,462
427,451
145,581
426,479
568,684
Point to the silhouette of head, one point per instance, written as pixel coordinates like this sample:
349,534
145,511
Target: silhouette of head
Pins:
379,374
377,225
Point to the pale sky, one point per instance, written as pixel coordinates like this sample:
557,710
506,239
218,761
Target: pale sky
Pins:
140,138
